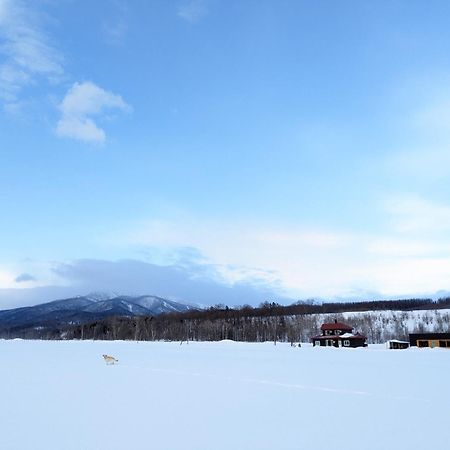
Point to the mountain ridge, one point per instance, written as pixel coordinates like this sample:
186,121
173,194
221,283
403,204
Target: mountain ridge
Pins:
81,309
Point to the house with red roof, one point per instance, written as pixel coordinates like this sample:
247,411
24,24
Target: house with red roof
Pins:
338,334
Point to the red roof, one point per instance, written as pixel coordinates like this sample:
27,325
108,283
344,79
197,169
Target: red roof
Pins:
336,326
332,337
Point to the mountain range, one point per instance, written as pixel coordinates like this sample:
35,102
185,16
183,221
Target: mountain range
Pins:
87,308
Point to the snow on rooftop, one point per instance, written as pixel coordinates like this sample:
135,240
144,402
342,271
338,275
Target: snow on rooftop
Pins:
347,335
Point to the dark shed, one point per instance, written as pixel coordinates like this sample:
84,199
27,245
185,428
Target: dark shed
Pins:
395,344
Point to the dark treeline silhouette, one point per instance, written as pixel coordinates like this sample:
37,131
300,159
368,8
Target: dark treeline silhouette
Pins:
268,322
310,307
170,328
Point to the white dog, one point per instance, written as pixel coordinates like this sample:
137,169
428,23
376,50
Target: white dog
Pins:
110,359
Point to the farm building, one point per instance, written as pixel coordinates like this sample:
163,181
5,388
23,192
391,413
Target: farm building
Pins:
395,344
337,334
430,340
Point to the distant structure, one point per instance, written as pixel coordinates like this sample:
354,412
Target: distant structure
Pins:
395,344
432,340
337,334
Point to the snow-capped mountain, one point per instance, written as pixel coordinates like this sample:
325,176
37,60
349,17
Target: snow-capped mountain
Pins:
94,306
101,296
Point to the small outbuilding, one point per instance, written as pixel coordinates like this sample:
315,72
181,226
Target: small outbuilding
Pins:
338,334
431,340
395,344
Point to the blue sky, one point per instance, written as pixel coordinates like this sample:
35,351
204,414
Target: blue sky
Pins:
292,149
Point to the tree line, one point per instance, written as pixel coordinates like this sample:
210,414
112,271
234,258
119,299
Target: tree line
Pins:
377,326
267,322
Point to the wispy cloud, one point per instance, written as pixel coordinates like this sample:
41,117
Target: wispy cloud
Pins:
24,277
434,117
190,281
27,51
414,214
296,256
83,102
222,262
314,262
431,162
115,31
6,278
193,10
400,247
115,25
425,138
30,58
414,276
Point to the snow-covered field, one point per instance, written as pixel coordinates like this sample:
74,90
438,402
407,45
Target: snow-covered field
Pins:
225,395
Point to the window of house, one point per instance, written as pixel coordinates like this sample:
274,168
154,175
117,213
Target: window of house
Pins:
317,343
346,343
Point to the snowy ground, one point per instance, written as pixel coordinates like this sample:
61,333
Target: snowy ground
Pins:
213,396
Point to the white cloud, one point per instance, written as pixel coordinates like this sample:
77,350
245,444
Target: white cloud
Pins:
400,247
193,10
431,162
304,260
434,116
6,279
28,53
3,5
115,32
425,148
310,262
82,102
413,214
26,274
115,24
416,276
291,262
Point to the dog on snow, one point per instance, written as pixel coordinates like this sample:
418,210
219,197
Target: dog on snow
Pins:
110,359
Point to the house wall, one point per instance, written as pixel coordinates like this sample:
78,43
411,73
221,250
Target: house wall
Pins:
443,343
357,343
430,340
353,343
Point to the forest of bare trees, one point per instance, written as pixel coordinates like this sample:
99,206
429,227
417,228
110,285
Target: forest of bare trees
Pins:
268,322
378,326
